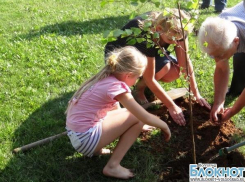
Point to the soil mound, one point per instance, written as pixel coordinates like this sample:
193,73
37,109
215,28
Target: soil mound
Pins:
209,139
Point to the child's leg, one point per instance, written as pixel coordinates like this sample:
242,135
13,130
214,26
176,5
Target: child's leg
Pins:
119,123
168,73
139,92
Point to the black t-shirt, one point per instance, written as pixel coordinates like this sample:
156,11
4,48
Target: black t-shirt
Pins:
151,51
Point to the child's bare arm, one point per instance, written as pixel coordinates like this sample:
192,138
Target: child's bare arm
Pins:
239,104
127,100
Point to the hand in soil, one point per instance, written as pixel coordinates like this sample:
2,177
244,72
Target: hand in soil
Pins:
177,115
203,102
167,134
174,164
215,111
227,114
219,121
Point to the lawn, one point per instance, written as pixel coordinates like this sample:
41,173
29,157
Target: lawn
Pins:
48,48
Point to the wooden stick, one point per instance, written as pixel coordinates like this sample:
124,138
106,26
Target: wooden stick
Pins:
39,142
174,94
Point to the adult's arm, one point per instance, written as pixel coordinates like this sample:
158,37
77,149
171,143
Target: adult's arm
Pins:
149,78
221,79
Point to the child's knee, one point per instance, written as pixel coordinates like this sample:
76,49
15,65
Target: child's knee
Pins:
136,121
169,78
141,124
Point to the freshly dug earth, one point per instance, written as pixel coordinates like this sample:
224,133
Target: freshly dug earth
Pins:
209,138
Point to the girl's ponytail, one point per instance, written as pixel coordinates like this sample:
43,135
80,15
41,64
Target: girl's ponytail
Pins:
112,61
123,60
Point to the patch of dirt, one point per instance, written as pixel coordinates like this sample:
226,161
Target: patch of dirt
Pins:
209,139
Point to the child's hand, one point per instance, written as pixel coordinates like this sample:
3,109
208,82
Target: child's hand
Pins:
203,102
177,115
167,134
227,114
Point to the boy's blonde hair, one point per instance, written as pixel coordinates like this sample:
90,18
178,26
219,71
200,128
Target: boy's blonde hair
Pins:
170,22
123,60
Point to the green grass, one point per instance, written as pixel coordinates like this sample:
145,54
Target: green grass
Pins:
48,48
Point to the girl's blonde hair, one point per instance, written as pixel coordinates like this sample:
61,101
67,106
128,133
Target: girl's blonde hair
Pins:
123,60
170,23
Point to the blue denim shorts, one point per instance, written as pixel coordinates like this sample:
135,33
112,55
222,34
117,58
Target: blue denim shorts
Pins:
160,62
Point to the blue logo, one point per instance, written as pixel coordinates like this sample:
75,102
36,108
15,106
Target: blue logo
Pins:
210,172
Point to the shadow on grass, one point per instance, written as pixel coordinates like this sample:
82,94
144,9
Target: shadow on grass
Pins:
153,159
57,160
230,99
70,28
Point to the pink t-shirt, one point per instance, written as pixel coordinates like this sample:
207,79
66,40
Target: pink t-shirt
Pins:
94,104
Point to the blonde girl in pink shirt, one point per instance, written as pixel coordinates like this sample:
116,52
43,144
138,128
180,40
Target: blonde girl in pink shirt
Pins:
95,119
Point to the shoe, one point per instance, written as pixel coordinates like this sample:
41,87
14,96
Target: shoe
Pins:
219,11
203,7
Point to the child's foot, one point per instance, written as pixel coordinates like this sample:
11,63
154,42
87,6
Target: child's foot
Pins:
118,172
103,152
148,128
139,96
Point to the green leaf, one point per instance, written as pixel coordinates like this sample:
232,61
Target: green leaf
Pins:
103,3
147,24
157,4
128,32
146,29
194,46
104,41
165,12
192,4
131,41
134,3
144,16
106,33
205,44
148,36
117,32
132,15
111,39
136,31
139,40
148,45
156,35
150,41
